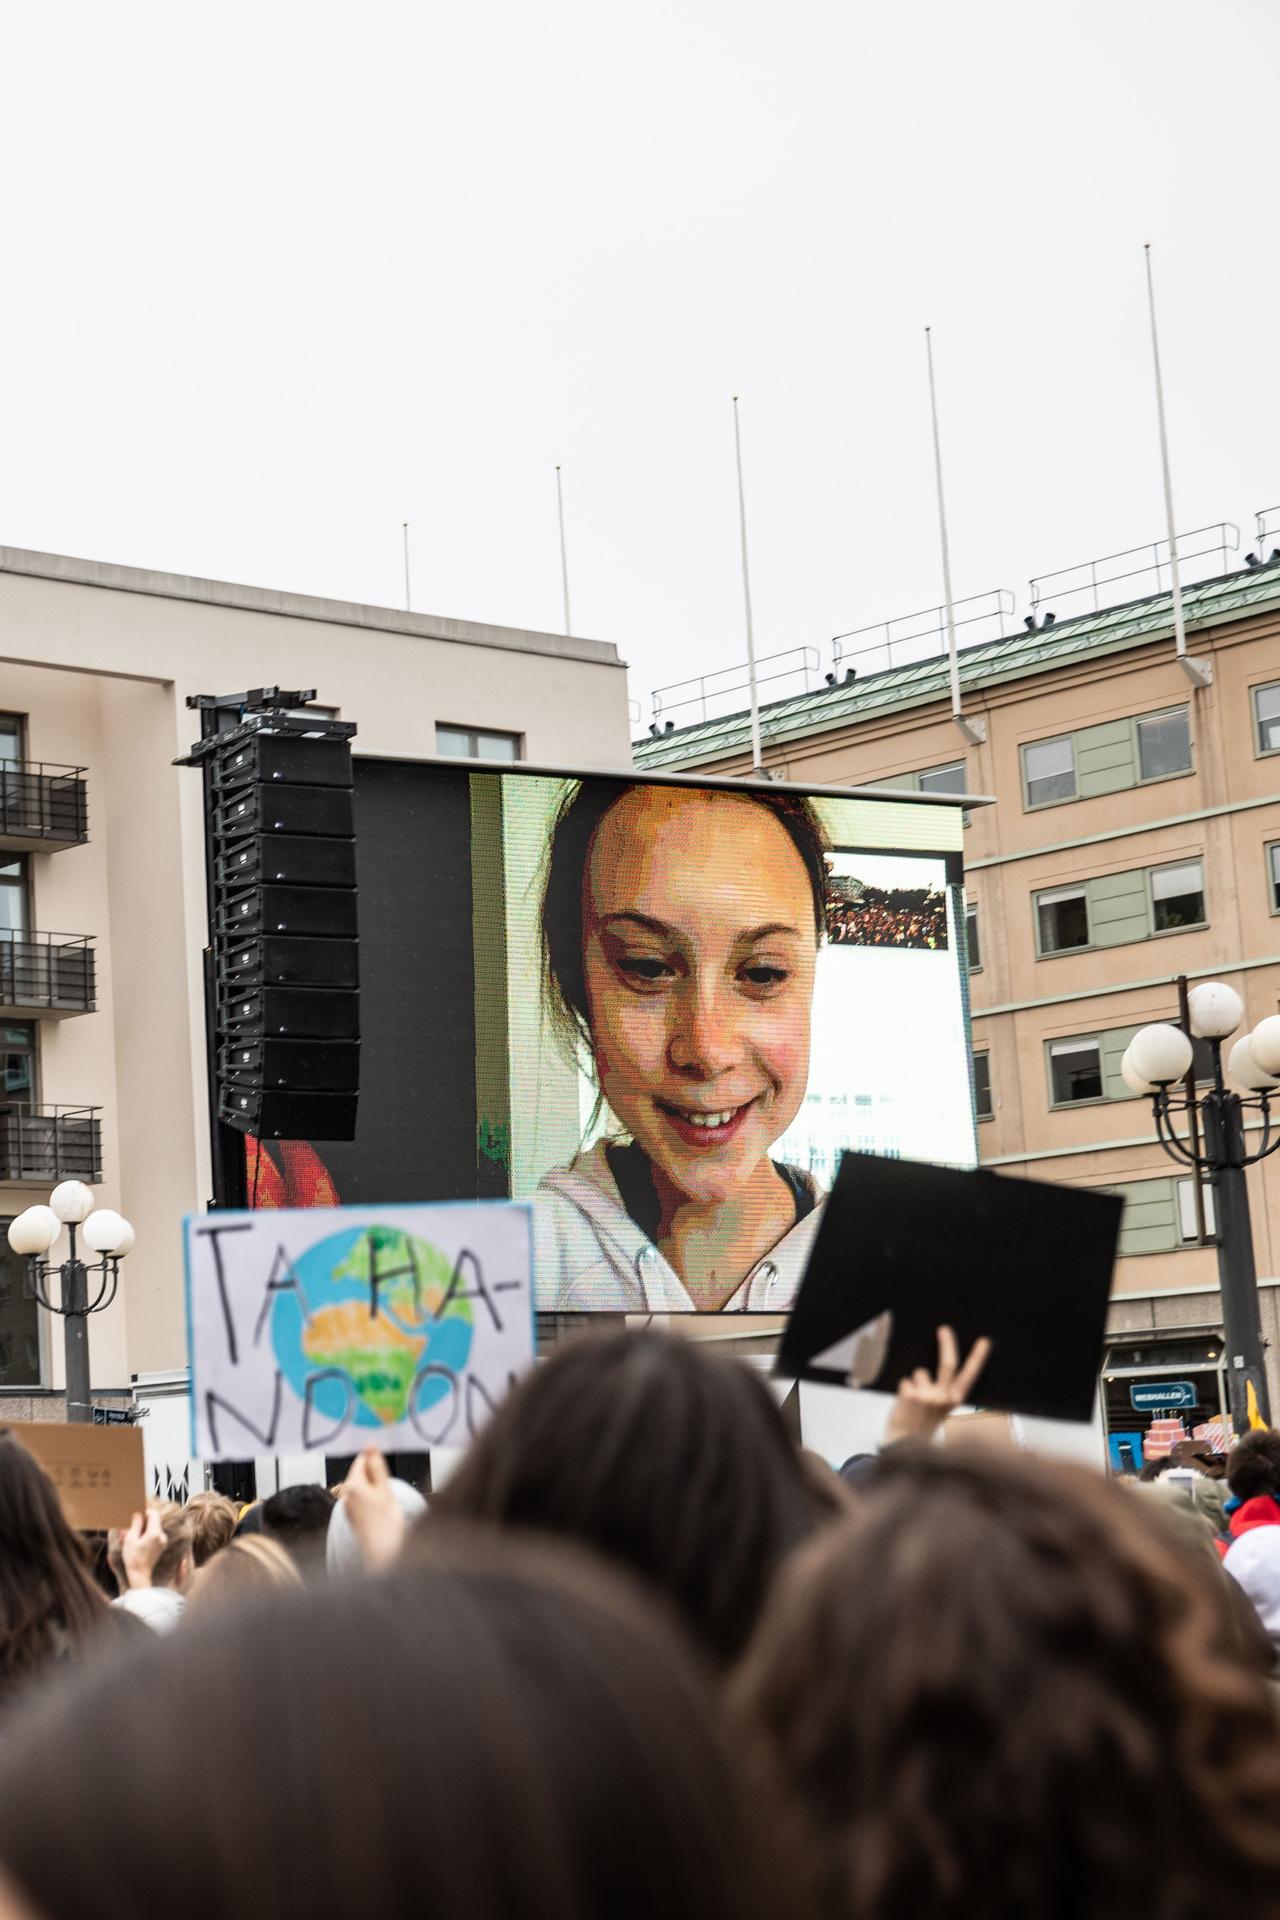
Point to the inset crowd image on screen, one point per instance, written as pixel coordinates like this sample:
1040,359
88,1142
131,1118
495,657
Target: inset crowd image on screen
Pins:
862,915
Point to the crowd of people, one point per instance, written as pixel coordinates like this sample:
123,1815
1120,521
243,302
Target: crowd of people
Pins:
641,1654
897,917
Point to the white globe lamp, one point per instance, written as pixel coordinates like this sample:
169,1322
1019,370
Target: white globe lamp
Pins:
72,1201
1160,1054
1264,1044
34,1231
1136,1082
1246,1072
1215,1009
108,1232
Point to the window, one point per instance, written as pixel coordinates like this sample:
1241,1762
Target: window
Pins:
1164,744
944,779
17,1063
1062,919
19,1320
1187,1209
1075,1071
469,743
1049,771
982,1086
1273,872
13,899
971,935
11,741
1266,713
1177,897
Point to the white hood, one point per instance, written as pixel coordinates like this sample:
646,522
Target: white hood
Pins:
1254,1562
591,1256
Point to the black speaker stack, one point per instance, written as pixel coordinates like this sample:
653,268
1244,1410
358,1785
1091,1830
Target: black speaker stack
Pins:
286,974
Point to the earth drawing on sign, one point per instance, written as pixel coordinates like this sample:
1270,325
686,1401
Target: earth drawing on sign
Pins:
378,1337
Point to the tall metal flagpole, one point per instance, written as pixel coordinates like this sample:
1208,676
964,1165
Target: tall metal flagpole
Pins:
407,602
757,765
564,554
973,730
1198,674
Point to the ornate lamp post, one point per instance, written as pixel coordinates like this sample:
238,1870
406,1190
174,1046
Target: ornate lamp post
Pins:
1157,1063
103,1232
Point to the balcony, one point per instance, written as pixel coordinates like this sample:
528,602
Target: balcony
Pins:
41,1145
49,975
42,806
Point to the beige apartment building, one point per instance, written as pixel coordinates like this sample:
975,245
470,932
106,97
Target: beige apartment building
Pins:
1134,837
102,884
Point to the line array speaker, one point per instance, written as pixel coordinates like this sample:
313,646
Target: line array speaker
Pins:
285,939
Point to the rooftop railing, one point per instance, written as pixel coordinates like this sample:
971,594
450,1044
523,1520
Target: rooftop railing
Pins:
915,637
1138,570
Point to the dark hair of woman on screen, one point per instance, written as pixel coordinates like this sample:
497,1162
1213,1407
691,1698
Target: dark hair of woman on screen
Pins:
493,1735
1005,1688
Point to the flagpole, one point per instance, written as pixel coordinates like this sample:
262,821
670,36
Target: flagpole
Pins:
407,601
757,765
564,554
1199,675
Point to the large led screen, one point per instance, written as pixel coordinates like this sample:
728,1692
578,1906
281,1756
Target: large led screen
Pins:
658,1009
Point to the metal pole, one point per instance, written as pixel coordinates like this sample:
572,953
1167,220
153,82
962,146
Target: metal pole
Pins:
757,765
408,604
75,1300
952,661
564,552
1196,674
1237,1275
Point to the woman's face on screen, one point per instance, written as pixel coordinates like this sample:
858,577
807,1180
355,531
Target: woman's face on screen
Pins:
699,956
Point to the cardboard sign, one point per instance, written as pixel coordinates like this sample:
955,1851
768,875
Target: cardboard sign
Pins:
98,1471
905,1248
329,1329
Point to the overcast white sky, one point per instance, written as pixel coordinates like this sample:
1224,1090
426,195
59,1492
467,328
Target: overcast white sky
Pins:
279,277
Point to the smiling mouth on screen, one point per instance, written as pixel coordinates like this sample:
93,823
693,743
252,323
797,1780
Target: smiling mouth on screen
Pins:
705,1127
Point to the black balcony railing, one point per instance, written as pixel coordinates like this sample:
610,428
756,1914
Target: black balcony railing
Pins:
46,973
42,805
41,1145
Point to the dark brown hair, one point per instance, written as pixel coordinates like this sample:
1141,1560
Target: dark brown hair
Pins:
1003,1689
581,811
1253,1464
492,1737
670,1460
49,1601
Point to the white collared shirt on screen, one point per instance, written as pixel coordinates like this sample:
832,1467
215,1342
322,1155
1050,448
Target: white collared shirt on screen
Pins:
590,1256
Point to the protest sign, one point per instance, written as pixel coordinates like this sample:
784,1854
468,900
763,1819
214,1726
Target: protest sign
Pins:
332,1328
98,1471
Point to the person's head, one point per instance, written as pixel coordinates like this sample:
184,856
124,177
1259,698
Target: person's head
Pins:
1004,1688
298,1518
174,1567
1253,1464
211,1520
243,1570
680,931
670,1460
491,1735
48,1598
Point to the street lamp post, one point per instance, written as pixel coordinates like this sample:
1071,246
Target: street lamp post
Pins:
1158,1063
103,1232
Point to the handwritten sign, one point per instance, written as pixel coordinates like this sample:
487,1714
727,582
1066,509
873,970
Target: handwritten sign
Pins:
328,1329
98,1471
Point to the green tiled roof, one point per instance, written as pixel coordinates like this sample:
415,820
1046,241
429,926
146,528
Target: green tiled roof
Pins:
1209,603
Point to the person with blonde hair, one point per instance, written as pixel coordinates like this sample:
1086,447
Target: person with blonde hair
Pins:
246,1568
211,1519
